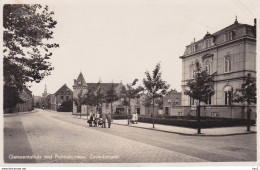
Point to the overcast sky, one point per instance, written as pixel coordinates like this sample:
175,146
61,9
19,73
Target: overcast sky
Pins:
121,39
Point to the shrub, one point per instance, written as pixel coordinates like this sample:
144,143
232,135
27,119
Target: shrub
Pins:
66,106
191,122
119,116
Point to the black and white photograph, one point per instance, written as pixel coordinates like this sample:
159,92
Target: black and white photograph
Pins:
129,83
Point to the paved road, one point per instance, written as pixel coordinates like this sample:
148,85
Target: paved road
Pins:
48,136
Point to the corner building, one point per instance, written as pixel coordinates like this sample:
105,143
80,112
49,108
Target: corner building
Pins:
230,54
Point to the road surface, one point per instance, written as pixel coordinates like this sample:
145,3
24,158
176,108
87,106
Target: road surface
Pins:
43,136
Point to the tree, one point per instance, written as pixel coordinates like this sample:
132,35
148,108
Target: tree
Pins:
154,85
200,88
27,30
79,101
128,93
111,96
147,102
66,106
246,94
97,97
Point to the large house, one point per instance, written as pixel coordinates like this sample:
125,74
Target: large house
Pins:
230,54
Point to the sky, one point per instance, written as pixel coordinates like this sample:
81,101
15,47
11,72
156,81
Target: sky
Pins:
118,40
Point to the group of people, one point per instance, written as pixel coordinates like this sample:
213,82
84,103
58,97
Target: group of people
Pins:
134,118
99,120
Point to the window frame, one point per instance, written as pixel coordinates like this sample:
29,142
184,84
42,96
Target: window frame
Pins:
227,67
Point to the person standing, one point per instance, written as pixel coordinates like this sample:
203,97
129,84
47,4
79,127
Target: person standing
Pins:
104,120
108,120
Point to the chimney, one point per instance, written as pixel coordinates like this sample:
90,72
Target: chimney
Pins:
75,81
255,22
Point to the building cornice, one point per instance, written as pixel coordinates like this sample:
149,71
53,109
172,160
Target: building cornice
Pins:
217,46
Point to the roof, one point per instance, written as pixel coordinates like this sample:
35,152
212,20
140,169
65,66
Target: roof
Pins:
26,95
104,86
80,81
217,38
64,90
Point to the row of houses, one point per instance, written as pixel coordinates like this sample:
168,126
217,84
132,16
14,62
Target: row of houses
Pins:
170,100
229,54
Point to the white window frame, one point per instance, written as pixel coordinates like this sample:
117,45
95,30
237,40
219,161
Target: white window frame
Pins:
228,66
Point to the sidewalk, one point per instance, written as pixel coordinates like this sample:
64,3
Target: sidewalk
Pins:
225,131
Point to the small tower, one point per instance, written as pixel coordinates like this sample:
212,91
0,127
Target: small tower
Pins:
45,94
80,86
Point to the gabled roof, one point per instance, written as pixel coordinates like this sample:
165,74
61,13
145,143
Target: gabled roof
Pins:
64,90
26,94
104,86
80,81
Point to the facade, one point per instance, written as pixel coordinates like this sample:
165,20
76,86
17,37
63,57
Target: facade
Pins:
170,100
230,54
61,95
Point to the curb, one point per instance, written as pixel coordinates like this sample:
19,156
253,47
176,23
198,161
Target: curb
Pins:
185,134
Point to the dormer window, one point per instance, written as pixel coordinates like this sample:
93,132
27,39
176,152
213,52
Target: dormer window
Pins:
207,42
79,82
228,36
193,48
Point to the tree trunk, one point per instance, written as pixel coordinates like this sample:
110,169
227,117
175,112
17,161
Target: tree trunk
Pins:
111,111
153,112
198,117
129,111
248,118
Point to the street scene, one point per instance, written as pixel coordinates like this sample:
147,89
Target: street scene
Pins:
130,82
59,137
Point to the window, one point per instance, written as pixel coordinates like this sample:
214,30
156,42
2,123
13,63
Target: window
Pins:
207,42
166,110
67,98
107,105
227,64
228,36
193,48
79,82
179,113
169,100
61,97
228,98
207,68
228,95
192,73
191,101
208,101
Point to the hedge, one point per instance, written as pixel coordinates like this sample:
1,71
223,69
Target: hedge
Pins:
192,123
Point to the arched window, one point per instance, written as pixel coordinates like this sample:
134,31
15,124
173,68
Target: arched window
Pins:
228,95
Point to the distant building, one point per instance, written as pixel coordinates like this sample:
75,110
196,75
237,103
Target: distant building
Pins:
170,100
61,95
37,101
230,54
80,86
